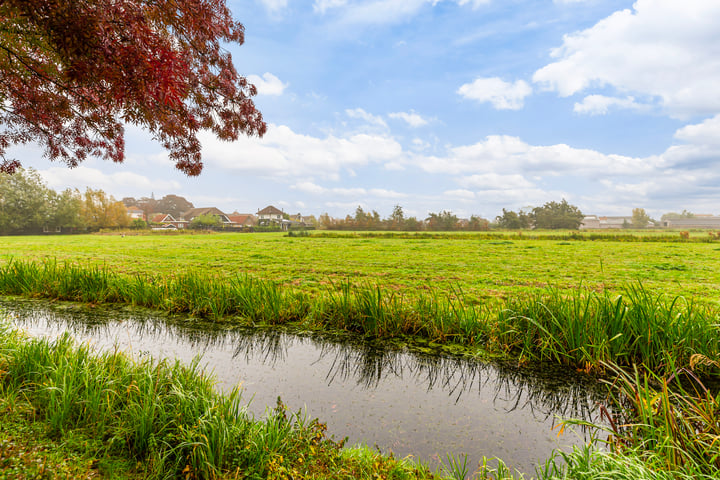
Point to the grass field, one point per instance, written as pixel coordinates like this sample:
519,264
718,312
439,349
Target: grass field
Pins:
482,269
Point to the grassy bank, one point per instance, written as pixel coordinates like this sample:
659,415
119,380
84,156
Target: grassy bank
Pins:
111,417
580,328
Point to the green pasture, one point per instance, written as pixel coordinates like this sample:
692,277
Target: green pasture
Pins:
499,267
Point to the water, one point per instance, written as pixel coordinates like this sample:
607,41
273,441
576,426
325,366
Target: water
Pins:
413,404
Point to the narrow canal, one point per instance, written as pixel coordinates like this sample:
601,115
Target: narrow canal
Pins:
401,400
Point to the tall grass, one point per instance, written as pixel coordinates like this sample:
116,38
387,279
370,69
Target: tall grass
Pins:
580,328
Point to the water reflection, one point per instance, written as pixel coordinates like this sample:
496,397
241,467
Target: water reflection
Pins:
412,403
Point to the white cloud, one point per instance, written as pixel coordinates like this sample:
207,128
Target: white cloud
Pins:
274,6
460,193
312,188
663,49
705,133
412,118
321,6
474,3
60,178
494,181
284,153
502,153
361,114
268,84
381,11
502,95
600,104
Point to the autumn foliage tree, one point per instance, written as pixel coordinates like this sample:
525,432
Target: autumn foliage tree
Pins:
73,72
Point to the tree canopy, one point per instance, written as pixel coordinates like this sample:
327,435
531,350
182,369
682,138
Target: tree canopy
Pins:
73,72
557,215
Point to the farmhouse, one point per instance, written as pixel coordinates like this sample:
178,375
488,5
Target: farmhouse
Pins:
270,215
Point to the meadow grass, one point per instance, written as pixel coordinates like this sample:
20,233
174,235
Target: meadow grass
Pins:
484,269
580,328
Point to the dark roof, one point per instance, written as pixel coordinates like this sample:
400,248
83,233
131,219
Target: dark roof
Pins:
270,210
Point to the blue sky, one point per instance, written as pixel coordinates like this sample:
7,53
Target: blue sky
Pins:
463,105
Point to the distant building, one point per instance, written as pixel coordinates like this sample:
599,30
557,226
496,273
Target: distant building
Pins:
243,220
136,213
197,212
590,221
604,222
269,215
708,222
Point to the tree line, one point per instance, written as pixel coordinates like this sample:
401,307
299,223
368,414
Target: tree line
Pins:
551,215
28,206
397,221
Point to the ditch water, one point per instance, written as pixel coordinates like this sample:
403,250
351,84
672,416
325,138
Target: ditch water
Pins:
400,400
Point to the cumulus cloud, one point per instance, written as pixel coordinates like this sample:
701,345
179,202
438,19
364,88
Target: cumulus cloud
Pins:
501,94
601,104
705,133
460,193
313,188
268,84
494,180
663,49
60,178
284,153
411,118
500,153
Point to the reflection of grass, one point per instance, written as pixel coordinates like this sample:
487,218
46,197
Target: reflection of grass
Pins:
580,328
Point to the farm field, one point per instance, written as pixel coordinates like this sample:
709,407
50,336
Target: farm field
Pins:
483,269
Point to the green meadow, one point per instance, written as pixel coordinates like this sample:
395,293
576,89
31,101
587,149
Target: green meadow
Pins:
483,268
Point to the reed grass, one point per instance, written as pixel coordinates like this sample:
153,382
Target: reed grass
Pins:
581,328
165,418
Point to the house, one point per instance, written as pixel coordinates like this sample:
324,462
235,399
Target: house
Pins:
242,220
136,213
197,212
269,215
167,221
302,220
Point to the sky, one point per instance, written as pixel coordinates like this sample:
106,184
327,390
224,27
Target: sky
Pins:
469,106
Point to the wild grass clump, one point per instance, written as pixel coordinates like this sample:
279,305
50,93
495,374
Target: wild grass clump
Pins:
672,422
587,329
166,418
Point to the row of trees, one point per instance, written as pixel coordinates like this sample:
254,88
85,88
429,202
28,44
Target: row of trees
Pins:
397,221
27,205
552,215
